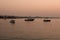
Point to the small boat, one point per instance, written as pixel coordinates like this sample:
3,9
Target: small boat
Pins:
29,19
12,21
47,20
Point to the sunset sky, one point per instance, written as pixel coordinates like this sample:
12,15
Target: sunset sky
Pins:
30,7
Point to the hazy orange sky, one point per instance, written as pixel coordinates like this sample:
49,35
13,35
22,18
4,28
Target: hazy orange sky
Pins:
30,7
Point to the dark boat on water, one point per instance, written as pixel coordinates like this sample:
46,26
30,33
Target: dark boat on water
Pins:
12,21
29,19
47,20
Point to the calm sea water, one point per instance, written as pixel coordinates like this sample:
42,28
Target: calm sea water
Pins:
36,30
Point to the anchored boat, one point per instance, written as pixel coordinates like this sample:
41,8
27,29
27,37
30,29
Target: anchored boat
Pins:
29,19
47,20
12,21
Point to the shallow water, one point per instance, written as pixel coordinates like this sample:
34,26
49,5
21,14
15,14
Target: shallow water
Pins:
36,30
